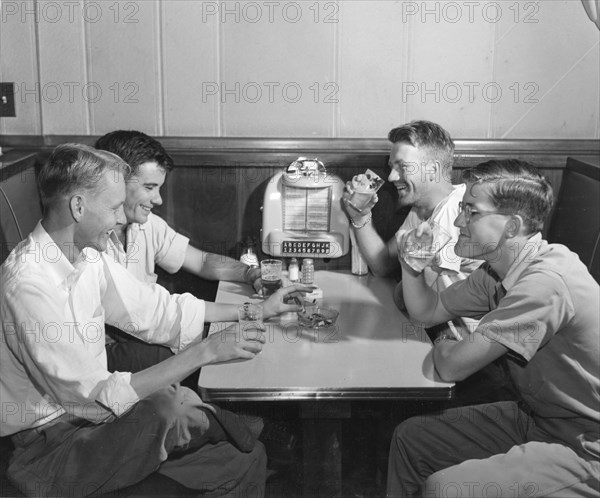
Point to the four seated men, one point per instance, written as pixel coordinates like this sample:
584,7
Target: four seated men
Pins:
70,417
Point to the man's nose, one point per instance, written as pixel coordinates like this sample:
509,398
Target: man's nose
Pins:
393,176
157,199
121,218
461,220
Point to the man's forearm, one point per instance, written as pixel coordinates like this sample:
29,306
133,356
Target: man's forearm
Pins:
169,371
374,249
218,312
421,300
219,267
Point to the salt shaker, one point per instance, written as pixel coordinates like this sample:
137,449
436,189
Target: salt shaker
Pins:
308,271
293,271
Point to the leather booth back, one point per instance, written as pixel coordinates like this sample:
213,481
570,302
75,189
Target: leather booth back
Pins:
576,219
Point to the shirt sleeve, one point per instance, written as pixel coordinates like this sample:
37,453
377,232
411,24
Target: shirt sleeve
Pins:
149,311
168,245
471,297
410,223
447,235
530,313
57,359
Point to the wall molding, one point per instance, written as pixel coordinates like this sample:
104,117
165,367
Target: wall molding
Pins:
205,151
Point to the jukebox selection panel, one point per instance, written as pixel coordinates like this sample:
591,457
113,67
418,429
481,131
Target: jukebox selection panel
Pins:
306,209
305,248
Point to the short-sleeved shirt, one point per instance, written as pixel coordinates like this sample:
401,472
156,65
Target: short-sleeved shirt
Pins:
446,268
549,319
149,244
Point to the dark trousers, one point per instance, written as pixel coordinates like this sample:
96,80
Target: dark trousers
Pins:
164,432
126,353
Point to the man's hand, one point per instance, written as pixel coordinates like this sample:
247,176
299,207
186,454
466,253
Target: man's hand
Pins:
418,247
275,304
231,344
418,242
252,277
356,215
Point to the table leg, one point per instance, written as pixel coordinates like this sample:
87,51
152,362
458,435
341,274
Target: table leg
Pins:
322,458
322,448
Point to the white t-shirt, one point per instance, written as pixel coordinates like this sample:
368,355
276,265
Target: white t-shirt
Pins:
446,267
149,244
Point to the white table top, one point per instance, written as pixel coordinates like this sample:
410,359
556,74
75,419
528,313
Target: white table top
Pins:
372,352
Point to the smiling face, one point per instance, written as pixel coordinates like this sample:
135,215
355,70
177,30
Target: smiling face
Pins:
143,192
411,174
102,211
484,234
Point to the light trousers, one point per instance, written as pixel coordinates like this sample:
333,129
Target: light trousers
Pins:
490,450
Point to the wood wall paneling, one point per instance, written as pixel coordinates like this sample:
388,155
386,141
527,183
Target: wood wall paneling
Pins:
368,104
19,64
215,192
175,67
273,74
191,57
63,70
124,68
546,64
450,93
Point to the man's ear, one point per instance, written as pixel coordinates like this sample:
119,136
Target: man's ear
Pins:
434,171
514,226
76,205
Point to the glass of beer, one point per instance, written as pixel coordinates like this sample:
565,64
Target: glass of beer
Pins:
270,274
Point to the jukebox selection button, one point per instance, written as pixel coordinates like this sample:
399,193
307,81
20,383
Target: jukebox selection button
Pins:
305,247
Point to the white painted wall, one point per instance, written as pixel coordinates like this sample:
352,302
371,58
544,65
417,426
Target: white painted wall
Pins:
324,69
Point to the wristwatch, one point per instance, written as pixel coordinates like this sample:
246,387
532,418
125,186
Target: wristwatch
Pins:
251,274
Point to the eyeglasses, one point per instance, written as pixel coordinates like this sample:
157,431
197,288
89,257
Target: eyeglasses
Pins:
468,211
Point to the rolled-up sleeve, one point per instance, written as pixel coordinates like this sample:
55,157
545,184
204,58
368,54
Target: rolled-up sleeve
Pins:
168,245
469,297
116,394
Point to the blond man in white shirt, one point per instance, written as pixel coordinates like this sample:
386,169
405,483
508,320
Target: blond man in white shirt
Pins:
77,428
421,171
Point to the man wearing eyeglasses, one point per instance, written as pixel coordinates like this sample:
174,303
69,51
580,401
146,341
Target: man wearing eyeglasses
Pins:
538,309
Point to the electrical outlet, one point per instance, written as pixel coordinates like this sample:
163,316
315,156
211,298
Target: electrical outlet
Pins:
7,100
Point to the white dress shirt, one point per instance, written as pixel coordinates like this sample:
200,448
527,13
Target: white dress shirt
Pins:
52,358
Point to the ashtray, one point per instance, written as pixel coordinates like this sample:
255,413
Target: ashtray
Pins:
317,318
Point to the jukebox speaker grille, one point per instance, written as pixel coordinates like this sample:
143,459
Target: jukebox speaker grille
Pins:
306,209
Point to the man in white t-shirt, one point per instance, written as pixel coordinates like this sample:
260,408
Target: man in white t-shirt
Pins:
421,161
146,240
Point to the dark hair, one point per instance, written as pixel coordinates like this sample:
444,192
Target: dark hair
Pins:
135,148
518,188
427,135
73,167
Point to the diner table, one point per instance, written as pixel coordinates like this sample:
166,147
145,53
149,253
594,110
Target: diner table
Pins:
372,352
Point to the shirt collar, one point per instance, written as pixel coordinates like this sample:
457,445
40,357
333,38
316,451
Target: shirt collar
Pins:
60,270
522,261
132,231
